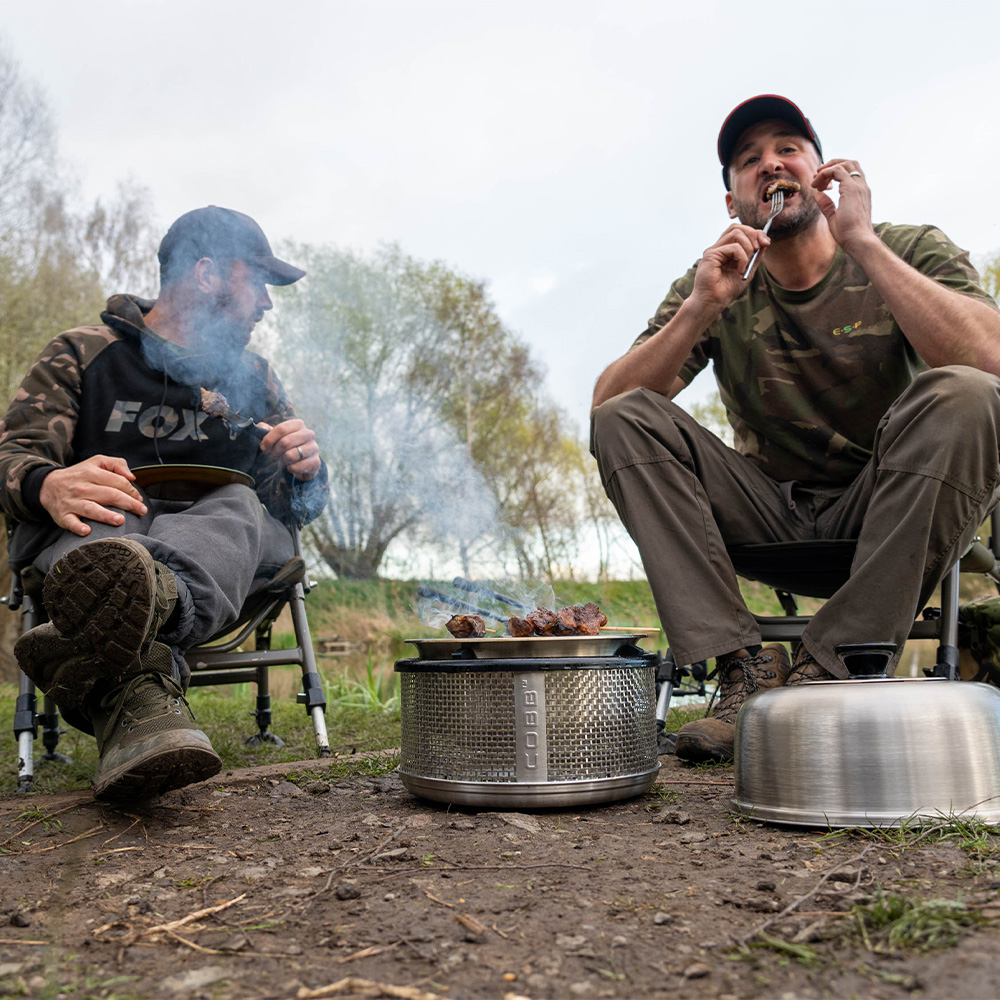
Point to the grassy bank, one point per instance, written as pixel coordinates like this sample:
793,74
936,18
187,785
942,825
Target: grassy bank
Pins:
374,619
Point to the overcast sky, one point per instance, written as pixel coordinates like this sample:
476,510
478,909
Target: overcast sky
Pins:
563,151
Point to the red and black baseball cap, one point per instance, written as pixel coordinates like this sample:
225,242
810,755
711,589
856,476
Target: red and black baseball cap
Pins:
222,234
759,109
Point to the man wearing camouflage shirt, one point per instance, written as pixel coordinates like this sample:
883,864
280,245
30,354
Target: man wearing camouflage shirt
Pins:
858,366
133,577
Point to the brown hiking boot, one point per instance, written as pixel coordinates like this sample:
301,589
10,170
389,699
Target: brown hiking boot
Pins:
109,598
806,669
740,675
146,735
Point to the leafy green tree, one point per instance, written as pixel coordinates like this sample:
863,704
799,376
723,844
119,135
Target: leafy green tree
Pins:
989,270
492,393
429,413
711,414
349,341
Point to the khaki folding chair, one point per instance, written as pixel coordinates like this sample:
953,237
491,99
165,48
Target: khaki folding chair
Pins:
818,568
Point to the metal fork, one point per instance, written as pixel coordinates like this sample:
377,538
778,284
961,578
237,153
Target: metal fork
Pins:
777,204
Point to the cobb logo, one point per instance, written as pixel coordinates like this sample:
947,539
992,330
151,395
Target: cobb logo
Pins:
530,734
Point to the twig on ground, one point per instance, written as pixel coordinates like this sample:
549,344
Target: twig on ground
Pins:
470,923
694,781
354,862
20,833
92,832
197,915
184,847
375,949
134,934
193,946
481,868
366,986
809,895
430,895
121,833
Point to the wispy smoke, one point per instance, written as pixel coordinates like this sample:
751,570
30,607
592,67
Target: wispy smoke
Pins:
359,352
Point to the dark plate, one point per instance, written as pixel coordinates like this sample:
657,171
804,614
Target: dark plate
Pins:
185,482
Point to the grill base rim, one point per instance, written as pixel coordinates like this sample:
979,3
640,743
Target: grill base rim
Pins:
873,819
530,795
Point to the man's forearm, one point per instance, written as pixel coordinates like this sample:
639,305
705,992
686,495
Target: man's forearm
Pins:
656,363
944,326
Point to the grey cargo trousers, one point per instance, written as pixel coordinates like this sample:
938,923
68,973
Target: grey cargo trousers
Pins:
684,496
219,548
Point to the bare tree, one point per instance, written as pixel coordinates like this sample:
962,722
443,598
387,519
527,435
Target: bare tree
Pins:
56,265
27,152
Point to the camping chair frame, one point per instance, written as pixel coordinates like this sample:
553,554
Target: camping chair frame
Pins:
220,660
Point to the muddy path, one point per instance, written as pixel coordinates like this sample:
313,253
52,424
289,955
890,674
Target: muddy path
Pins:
257,886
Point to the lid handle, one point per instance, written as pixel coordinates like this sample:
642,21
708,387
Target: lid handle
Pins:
865,660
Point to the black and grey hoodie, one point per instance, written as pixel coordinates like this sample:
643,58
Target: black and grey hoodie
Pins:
120,390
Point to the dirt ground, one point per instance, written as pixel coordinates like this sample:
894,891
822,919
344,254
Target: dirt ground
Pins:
256,886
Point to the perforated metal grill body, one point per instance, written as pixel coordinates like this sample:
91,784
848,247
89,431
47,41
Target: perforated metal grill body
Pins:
540,732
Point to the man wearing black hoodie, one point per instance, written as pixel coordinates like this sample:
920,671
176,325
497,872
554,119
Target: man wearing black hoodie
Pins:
132,580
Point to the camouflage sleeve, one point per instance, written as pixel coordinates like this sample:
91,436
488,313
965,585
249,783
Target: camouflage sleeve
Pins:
679,291
289,499
928,250
37,431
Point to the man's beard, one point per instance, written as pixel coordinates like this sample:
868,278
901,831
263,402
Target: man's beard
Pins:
221,331
213,352
797,217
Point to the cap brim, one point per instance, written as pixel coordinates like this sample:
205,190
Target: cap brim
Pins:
277,271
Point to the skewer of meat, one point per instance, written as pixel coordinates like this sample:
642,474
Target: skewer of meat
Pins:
466,626
216,405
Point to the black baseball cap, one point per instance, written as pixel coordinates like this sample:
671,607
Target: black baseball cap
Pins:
759,109
222,234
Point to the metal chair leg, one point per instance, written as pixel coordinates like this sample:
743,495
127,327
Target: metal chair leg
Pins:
262,713
312,695
947,655
51,731
25,730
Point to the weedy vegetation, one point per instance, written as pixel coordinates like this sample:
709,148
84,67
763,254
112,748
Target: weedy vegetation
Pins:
892,923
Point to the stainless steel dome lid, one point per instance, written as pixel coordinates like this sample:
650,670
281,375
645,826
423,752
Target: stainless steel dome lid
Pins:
869,753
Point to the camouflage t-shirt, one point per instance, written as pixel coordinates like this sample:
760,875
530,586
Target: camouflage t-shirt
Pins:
806,376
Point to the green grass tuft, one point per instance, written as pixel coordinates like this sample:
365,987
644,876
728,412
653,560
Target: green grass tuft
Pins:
893,923
225,715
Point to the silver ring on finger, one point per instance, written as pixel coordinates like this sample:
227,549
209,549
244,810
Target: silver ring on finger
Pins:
298,448
854,173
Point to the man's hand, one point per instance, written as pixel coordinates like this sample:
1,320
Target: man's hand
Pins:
294,446
97,489
719,278
850,220
718,281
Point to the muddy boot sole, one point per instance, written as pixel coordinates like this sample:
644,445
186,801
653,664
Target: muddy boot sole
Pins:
156,765
101,596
